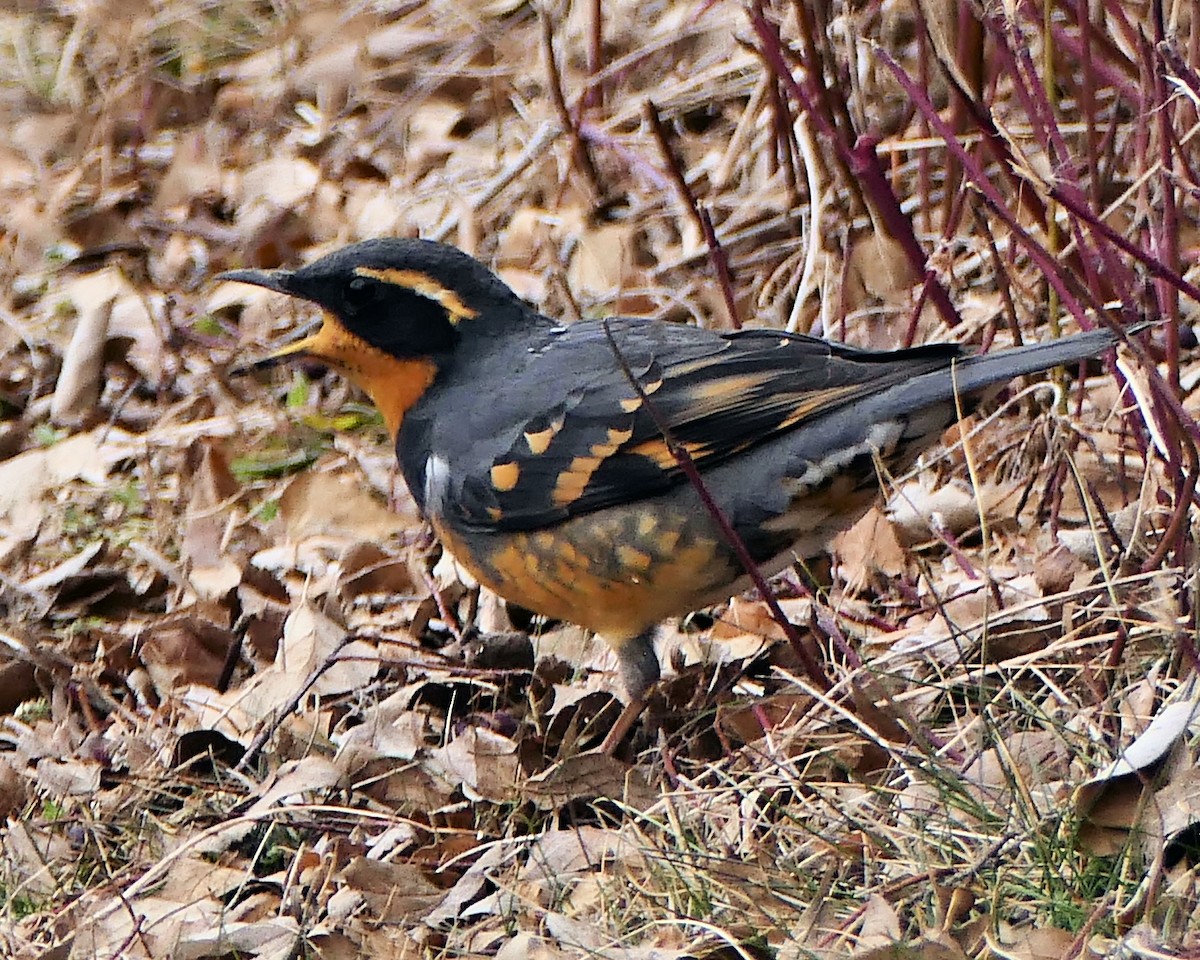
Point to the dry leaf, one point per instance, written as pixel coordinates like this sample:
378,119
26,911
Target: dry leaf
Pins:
188,647
869,550
336,505
1041,943
211,570
480,763
1136,760
393,892
78,386
585,776
88,456
877,269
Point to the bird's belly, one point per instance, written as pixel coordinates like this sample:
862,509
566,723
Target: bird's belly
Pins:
621,570
618,571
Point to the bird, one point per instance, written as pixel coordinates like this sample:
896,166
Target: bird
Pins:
546,455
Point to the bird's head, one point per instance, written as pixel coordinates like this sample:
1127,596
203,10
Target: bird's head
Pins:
393,312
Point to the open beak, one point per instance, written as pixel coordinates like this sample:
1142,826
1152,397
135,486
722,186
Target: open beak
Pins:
306,340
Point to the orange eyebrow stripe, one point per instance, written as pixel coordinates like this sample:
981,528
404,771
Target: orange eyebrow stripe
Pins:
426,286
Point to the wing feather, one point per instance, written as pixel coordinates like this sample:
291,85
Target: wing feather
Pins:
718,395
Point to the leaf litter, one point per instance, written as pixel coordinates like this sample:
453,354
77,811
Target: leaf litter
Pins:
246,707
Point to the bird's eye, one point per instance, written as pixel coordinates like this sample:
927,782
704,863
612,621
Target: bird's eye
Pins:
360,293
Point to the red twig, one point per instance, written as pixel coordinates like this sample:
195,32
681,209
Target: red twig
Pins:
688,466
699,216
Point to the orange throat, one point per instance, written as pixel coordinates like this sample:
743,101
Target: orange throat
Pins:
393,383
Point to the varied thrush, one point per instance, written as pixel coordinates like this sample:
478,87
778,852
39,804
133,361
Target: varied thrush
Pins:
549,475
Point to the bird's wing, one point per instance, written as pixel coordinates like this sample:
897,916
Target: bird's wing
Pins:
573,435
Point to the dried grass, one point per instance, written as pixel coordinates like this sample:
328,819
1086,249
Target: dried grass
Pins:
168,578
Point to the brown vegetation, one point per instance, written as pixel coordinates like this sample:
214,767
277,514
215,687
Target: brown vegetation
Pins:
249,708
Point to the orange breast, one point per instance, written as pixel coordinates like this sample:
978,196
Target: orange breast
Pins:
616,572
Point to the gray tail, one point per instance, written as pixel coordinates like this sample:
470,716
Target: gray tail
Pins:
980,372
972,376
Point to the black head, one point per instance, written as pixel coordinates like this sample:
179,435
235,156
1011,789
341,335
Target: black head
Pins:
407,298
394,311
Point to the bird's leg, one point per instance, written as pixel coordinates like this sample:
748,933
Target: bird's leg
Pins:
629,714
639,671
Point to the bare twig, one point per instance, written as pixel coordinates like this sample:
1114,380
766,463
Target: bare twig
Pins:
813,669
579,147
699,215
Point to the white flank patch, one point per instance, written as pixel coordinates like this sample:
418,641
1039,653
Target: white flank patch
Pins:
437,479
881,438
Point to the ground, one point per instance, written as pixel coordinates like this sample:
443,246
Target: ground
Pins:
251,709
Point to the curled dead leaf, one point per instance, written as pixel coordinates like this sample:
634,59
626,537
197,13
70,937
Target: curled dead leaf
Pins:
78,386
877,268
1097,799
